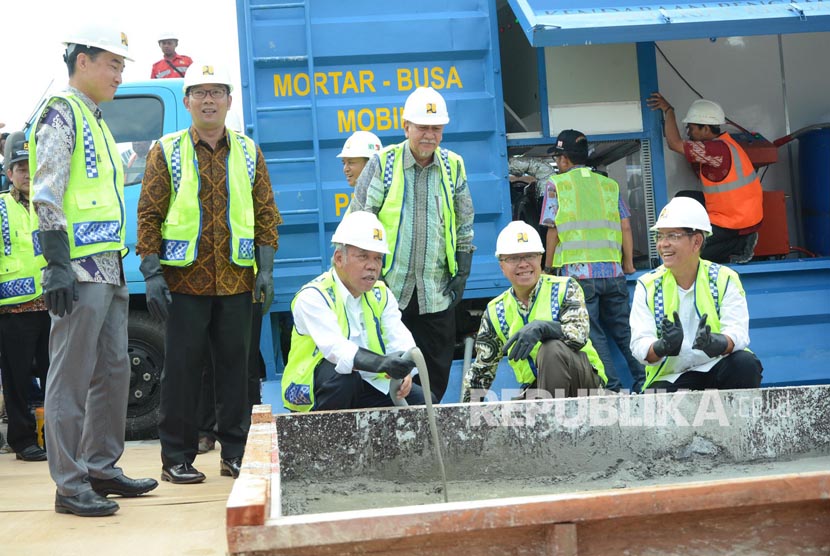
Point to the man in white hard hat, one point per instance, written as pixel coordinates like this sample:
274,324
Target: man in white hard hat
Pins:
172,65
348,338
419,192
79,199
689,320
589,239
732,191
356,152
24,319
206,213
540,324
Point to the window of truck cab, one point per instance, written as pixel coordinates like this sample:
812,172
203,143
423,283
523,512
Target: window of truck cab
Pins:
136,122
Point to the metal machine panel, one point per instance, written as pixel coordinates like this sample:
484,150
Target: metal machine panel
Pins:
313,73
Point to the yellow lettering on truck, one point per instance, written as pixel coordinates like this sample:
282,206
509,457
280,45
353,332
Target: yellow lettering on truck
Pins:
341,201
435,77
369,119
325,83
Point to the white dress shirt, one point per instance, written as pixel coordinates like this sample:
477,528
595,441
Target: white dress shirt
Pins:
734,322
313,317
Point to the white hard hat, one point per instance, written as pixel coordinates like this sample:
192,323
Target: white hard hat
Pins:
426,106
518,237
168,35
100,36
361,144
362,229
705,112
684,212
201,73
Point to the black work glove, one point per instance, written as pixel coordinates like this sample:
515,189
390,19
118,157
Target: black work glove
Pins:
58,279
671,337
710,344
264,285
455,287
157,293
531,334
393,364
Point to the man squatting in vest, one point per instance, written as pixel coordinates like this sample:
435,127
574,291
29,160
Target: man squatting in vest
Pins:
205,213
540,323
689,320
419,192
589,239
732,191
24,319
348,338
78,189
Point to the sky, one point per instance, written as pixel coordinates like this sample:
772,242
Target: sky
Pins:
32,31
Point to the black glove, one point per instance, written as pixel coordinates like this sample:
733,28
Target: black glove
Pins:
58,279
710,344
393,364
455,287
671,337
157,293
264,285
531,334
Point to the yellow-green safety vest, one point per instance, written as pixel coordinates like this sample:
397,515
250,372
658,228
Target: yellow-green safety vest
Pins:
588,219
503,312
182,227
663,300
21,259
94,199
298,377
394,183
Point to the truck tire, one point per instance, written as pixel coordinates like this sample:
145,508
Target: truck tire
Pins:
145,349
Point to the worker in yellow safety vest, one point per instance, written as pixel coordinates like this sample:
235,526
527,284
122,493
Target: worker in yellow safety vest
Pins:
24,319
540,324
78,193
348,338
419,192
689,320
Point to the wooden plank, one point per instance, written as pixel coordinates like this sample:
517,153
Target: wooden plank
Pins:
561,540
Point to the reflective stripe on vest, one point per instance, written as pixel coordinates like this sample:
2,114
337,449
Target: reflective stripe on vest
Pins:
394,184
735,202
94,199
663,299
588,218
503,312
182,227
298,376
21,259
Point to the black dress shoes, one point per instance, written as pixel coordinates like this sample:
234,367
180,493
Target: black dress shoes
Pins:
182,474
32,453
86,504
230,467
122,486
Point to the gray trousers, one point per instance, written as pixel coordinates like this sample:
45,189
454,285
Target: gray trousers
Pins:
562,370
87,388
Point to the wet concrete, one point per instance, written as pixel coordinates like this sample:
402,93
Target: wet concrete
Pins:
377,458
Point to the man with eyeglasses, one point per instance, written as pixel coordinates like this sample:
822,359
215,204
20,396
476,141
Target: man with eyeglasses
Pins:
206,215
589,239
540,324
419,192
732,191
689,320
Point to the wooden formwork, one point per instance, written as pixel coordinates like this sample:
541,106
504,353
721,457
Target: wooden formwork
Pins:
767,515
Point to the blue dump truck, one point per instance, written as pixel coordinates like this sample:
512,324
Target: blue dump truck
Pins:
514,74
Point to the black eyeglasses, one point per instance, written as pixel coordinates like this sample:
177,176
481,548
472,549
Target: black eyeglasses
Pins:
214,93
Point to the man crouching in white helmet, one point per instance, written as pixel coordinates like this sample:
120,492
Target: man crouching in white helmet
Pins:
689,321
348,339
541,324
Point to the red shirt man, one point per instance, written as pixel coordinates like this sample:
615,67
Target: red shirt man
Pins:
172,65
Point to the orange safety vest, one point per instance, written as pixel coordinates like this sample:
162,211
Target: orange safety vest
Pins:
735,202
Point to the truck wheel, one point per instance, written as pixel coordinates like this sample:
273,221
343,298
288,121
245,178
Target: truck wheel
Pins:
145,349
